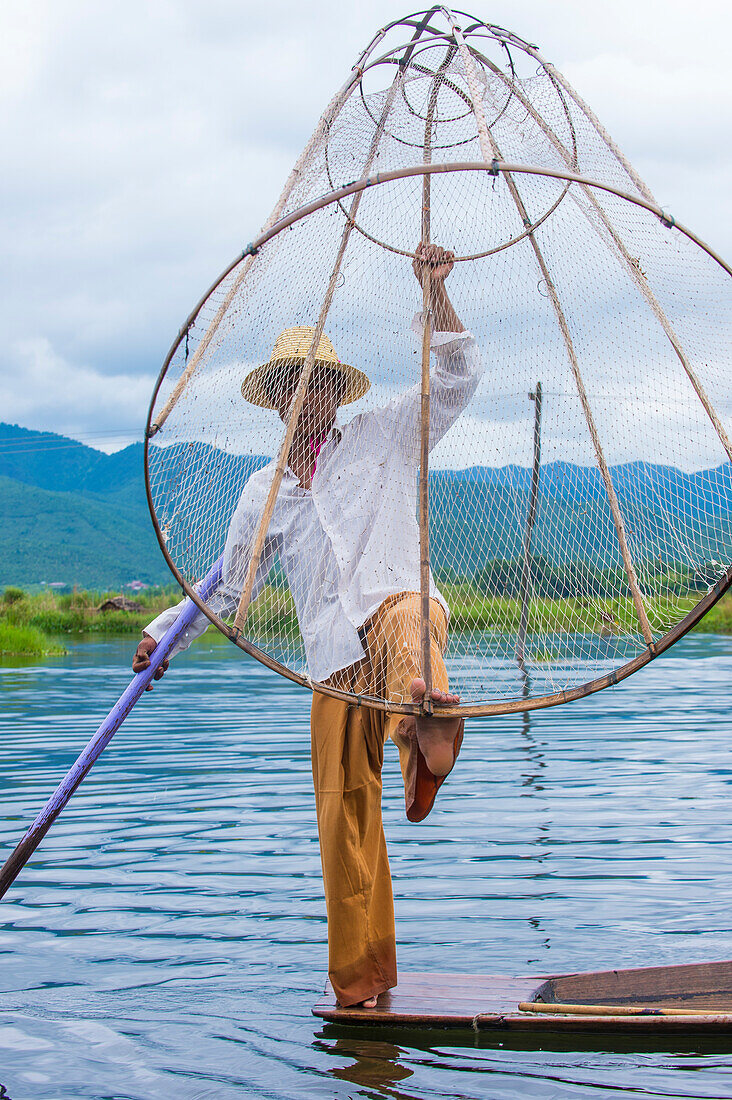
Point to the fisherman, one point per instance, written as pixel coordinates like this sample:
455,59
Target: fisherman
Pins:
345,533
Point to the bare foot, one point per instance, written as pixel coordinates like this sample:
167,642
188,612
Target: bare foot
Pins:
370,1002
436,736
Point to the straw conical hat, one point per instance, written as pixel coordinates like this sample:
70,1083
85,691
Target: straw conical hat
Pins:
292,346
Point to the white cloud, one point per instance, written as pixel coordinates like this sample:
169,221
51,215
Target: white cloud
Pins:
147,141
42,388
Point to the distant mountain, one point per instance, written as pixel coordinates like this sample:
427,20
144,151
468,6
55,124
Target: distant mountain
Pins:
670,516
54,462
73,514
70,537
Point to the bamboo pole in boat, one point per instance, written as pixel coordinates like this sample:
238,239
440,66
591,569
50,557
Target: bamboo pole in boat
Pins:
610,1010
491,153
424,500
424,436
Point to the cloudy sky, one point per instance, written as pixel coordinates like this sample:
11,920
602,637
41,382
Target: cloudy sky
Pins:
145,142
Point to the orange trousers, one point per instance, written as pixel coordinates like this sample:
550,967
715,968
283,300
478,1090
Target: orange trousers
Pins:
347,753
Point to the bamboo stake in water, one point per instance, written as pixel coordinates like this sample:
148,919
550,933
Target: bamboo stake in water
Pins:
530,518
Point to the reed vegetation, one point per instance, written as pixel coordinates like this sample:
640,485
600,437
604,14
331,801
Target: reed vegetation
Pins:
719,619
35,621
470,609
273,612
56,614
26,641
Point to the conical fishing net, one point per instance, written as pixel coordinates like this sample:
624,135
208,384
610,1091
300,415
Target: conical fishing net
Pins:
528,481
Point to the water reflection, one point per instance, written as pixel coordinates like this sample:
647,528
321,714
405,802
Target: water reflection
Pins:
168,938
533,787
374,1064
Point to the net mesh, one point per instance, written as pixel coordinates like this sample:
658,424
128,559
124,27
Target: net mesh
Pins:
545,572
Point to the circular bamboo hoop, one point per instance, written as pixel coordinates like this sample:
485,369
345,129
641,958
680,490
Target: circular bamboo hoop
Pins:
510,706
391,59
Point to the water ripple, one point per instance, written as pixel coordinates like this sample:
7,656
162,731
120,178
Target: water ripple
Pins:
169,937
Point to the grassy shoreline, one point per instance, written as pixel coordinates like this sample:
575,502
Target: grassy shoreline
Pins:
27,641
31,624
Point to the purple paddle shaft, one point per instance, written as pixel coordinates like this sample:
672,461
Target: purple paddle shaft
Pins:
27,846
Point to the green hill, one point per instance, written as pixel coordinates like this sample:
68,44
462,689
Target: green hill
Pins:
65,536
74,514
55,462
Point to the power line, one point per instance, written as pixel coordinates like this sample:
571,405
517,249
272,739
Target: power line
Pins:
24,446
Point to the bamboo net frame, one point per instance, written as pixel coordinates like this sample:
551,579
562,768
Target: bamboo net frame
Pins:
491,153
298,399
627,259
445,62
304,160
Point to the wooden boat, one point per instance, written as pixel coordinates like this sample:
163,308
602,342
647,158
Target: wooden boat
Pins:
695,997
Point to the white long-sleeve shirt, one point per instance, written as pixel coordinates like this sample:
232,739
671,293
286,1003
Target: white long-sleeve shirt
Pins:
353,538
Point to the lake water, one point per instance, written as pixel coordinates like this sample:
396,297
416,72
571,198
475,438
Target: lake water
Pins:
169,938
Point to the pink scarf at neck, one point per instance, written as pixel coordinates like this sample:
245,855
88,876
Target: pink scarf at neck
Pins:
315,447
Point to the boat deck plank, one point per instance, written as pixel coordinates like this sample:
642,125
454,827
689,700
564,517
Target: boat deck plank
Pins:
488,1001
444,1000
